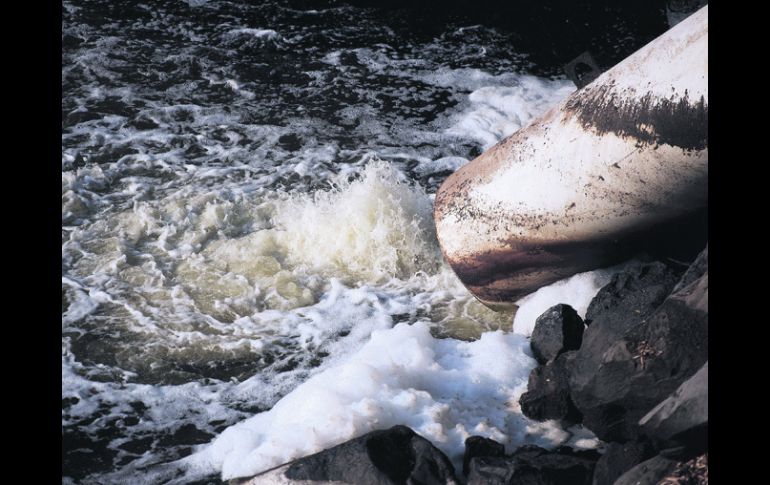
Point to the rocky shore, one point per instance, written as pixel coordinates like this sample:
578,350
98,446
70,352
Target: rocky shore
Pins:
634,372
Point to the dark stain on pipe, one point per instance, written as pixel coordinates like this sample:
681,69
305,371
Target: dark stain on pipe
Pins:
501,277
676,121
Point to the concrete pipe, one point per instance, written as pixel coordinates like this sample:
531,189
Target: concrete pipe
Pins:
618,163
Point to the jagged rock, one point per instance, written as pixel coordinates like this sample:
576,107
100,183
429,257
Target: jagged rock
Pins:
632,359
649,472
480,446
386,457
657,357
548,395
557,330
533,465
632,294
679,424
619,458
622,304
490,470
532,452
695,270
661,470
692,472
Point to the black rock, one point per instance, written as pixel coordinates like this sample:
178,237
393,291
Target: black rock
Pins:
560,466
619,458
386,457
649,472
679,425
548,395
697,269
622,304
532,452
480,446
655,358
489,470
632,359
557,330
532,465
633,293
694,472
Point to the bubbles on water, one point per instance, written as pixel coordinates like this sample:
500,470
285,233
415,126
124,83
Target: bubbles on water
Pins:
246,197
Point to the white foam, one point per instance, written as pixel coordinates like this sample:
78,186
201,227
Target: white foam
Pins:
441,164
259,33
210,276
80,304
377,227
99,405
325,271
182,245
445,389
577,291
498,111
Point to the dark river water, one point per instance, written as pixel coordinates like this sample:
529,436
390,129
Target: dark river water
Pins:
246,198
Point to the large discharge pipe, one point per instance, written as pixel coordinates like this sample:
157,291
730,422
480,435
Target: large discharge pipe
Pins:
619,161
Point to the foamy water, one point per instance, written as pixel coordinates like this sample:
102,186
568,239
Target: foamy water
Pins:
247,216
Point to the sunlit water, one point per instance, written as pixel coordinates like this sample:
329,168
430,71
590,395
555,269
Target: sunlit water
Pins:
246,197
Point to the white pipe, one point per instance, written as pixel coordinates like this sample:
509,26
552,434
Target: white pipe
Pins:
618,160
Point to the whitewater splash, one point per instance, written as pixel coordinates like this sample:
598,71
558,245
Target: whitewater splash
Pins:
319,284
246,207
220,273
445,389
186,293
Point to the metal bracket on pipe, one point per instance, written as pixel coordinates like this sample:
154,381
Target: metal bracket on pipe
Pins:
582,70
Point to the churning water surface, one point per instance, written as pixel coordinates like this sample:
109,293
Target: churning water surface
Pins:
246,197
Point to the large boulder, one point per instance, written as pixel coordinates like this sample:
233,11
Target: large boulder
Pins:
548,394
633,355
491,470
480,446
679,424
662,470
631,295
648,472
386,457
557,330
533,465
618,458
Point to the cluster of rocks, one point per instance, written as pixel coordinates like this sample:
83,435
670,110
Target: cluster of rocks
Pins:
399,456
635,372
529,465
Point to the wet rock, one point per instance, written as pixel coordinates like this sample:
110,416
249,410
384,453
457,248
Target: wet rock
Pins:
557,330
632,294
548,394
385,457
619,458
561,466
480,446
534,453
692,472
697,269
679,425
649,472
533,465
632,359
655,358
489,470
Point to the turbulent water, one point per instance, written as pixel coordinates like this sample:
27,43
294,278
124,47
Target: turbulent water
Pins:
246,198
